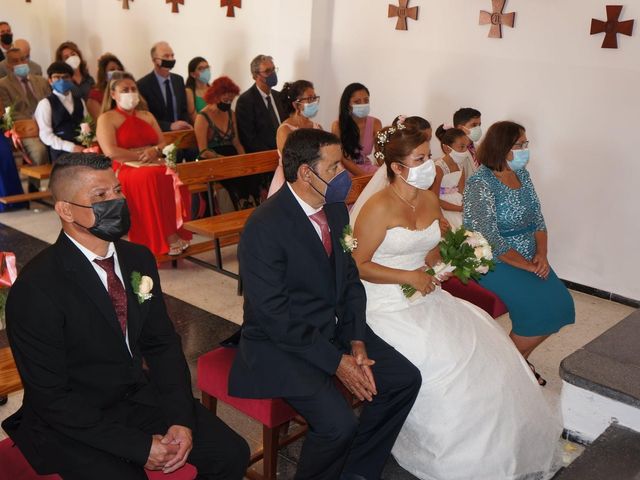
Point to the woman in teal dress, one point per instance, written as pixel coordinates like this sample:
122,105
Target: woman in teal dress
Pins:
501,203
196,85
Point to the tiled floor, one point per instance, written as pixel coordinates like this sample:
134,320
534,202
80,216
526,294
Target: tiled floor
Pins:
204,304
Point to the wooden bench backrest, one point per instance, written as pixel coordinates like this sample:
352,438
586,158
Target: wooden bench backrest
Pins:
357,185
225,168
26,128
183,138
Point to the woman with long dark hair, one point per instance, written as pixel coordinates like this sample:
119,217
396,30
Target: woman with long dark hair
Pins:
197,83
356,130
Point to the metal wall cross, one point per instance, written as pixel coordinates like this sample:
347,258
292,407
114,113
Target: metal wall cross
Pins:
612,27
496,18
402,11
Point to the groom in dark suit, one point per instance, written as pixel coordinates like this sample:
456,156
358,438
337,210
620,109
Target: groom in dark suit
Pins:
304,320
82,317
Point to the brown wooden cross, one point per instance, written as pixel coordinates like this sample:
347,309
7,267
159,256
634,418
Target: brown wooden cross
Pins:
231,4
125,4
612,26
496,18
402,12
174,6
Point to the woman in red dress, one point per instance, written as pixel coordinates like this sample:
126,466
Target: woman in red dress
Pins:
130,135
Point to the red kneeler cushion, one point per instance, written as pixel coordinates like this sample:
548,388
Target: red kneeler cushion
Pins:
472,292
213,379
13,466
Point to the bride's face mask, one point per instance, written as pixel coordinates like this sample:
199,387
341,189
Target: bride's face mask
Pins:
423,174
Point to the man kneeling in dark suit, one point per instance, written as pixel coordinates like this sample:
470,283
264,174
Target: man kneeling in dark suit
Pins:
304,320
82,317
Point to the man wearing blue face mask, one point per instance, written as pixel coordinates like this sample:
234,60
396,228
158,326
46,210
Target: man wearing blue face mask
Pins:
60,114
259,109
304,320
23,90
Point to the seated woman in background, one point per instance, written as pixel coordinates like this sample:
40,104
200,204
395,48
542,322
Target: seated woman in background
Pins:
127,132
450,177
501,203
197,84
216,132
69,53
107,64
300,103
356,130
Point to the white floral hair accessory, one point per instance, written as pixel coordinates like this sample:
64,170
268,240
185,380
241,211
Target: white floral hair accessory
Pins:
384,136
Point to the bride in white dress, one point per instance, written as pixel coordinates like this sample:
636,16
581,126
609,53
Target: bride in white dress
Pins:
480,413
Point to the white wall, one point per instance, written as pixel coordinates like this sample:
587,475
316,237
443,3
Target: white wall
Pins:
578,102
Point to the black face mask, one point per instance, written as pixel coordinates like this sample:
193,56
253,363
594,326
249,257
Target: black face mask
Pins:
224,106
164,63
112,219
6,38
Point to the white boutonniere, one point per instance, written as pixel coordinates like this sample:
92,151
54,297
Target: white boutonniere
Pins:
348,241
142,286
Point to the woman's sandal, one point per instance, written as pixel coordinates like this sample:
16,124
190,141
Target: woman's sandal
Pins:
541,381
175,249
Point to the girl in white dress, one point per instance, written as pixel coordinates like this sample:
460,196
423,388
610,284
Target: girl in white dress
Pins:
450,177
480,413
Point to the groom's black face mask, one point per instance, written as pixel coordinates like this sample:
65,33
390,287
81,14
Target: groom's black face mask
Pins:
112,219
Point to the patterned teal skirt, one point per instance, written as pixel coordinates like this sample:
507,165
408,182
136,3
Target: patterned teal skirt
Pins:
536,306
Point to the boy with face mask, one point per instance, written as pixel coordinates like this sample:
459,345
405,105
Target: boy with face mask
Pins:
469,120
60,114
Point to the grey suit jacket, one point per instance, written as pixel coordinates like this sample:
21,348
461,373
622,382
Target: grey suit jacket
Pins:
34,68
12,93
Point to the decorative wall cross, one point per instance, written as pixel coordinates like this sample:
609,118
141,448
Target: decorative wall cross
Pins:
174,5
612,26
231,4
402,12
496,18
125,4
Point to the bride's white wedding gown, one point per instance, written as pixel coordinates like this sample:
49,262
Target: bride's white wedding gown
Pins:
480,414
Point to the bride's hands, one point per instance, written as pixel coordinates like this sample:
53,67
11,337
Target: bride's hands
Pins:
422,281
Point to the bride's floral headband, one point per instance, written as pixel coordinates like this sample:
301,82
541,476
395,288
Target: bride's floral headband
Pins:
383,137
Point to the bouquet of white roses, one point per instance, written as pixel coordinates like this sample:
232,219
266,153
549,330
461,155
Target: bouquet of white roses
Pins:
464,253
86,135
170,154
7,119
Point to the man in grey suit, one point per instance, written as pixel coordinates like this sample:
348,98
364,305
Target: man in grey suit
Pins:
23,90
25,48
